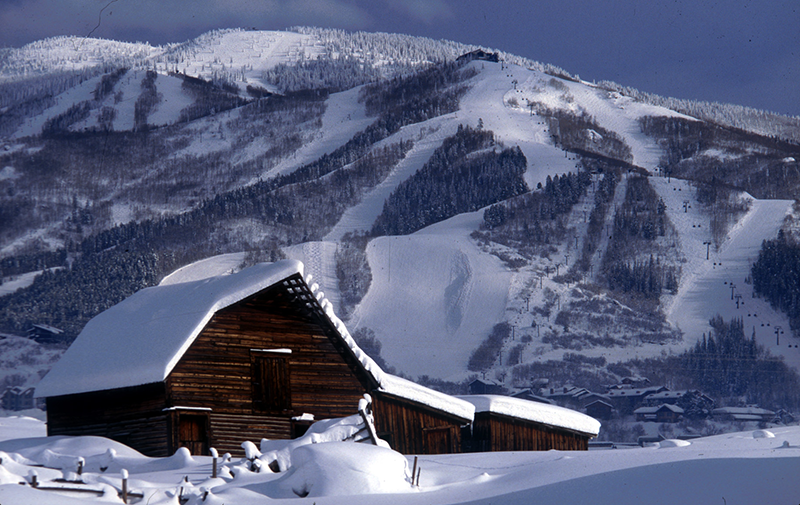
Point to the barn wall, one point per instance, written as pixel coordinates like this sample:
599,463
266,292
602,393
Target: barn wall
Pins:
414,429
217,370
229,431
499,433
132,416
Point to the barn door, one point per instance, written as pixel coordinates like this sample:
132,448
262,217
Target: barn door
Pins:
193,433
271,389
438,440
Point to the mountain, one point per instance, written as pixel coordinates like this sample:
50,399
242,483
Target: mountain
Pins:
469,212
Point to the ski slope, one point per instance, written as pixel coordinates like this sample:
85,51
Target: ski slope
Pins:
488,100
342,119
242,55
709,286
434,297
172,101
427,136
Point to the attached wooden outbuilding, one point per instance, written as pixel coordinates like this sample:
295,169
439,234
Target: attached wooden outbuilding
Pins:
504,423
215,362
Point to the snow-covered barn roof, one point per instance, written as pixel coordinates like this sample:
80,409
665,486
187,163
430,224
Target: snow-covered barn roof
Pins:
550,415
141,339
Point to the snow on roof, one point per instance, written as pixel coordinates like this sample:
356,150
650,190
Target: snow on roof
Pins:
403,388
742,410
632,392
47,327
668,394
653,410
141,339
551,415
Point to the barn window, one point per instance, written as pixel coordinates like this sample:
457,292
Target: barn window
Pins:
271,383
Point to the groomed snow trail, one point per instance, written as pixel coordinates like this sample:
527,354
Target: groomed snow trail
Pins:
427,136
342,119
490,100
621,114
434,297
710,287
319,259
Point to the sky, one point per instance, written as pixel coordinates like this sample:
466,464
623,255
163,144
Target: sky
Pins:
734,51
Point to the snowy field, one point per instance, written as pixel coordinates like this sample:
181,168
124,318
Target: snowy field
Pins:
737,468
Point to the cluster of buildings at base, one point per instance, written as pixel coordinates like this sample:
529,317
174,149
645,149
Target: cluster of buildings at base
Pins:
636,397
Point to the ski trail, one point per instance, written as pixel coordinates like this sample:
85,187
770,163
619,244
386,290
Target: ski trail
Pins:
342,119
427,136
595,266
713,286
578,223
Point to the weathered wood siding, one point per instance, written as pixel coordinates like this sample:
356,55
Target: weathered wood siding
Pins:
217,371
491,432
132,416
415,429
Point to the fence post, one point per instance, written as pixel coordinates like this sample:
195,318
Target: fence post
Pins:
214,456
124,474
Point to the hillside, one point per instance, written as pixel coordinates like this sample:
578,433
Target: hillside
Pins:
478,213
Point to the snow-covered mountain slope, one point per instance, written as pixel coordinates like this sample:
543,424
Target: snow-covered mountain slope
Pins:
166,149
122,100
434,297
68,54
242,55
343,118
721,285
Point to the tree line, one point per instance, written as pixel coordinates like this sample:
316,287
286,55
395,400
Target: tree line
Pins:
453,181
533,222
632,263
730,366
776,276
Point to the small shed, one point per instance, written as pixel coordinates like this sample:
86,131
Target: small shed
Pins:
217,361
505,423
45,334
486,387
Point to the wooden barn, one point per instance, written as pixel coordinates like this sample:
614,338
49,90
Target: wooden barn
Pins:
504,423
215,362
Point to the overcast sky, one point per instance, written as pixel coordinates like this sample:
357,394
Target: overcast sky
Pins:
745,52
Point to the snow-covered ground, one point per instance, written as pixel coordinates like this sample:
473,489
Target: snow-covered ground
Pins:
758,466
13,283
343,118
241,54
